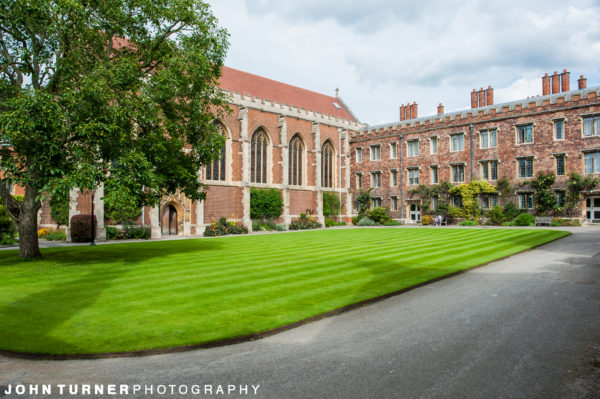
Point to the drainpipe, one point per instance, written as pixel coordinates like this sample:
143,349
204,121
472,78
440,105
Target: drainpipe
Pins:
401,176
471,151
340,173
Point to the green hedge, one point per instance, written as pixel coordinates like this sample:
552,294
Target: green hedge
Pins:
265,203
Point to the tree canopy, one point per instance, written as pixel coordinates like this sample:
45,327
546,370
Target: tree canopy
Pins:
121,93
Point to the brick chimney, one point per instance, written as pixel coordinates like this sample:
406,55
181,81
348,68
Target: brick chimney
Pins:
489,96
555,83
545,85
474,100
413,109
481,96
565,80
407,110
402,113
440,109
581,82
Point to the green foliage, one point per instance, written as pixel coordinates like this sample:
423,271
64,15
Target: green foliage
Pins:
469,193
576,184
379,215
356,219
495,215
468,223
426,220
81,107
57,235
265,203
558,222
111,232
304,223
545,198
263,225
506,224
281,227
223,227
332,222
19,198
331,204
524,219
7,224
59,206
129,232
505,190
362,199
393,223
511,211
427,193
365,221
455,213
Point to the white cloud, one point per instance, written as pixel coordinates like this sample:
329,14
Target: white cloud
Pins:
385,53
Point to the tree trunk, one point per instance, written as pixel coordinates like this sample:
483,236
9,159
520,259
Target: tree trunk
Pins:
27,222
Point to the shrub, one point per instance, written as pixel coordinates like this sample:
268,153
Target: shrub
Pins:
224,227
81,228
426,220
393,223
565,222
137,232
111,232
6,239
524,219
511,211
263,225
44,232
280,227
454,213
468,223
304,224
329,222
331,204
265,203
495,215
366,222
379,215
57,235
356,219
508,224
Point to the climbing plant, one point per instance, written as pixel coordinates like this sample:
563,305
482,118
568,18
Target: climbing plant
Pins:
469,193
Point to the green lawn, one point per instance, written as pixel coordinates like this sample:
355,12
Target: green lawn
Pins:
136,296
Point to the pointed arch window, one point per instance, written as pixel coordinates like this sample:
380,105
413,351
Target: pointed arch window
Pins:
258,157
327,160
216,170
295,164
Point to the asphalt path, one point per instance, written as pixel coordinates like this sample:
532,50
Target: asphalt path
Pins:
524,327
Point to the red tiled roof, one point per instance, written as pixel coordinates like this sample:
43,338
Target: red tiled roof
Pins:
233,80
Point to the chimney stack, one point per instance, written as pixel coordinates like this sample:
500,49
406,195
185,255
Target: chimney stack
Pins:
565,79
474,100
481,95
545,85
414,109
555,83
489,96
440,109
582,82
408,114
402,113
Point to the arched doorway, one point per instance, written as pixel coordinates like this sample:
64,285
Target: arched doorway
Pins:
169,220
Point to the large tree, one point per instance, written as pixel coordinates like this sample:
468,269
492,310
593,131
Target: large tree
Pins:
115,92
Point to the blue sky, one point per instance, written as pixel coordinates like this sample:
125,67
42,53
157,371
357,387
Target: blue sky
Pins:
382,54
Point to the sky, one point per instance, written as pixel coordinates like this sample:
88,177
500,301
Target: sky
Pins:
382,54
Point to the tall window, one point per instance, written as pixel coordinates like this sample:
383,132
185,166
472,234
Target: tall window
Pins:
358,155
258,157
295,164
526,200
393,150
412,148
457,142
489,138
393,178
525,134
489,170
375,179
327,161
434,145
559,129
216,170
413,177
394,203
434,175
526,167
375,152
375,202
560,165
560,198
359,181
591,126
592,162
458,173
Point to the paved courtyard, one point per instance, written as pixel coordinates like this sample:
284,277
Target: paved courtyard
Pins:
524,327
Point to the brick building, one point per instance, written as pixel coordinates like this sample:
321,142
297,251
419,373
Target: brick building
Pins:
304,144
558,132
277,136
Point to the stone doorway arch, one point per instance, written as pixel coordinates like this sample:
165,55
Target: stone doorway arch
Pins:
171,218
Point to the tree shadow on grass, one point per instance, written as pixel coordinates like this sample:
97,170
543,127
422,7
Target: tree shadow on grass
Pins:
28,323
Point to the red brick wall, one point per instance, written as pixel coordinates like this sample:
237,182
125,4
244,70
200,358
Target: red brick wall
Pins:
223,201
